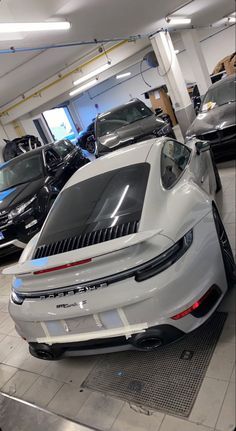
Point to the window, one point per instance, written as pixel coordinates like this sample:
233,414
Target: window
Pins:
51,157
21,170
64,148
127,114
174,158
103,201
219,95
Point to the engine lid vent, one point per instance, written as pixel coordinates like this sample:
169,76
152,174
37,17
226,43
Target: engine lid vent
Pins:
86,239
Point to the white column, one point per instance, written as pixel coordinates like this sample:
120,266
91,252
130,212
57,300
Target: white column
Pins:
170,70
196,59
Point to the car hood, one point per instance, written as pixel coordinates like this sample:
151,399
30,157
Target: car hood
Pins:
15,195
138,129
217,118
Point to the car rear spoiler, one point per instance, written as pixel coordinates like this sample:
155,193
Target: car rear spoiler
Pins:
91,252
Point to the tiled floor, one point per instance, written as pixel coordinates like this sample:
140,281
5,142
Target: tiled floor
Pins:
56,385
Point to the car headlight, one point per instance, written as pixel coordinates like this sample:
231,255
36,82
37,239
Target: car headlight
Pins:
20,208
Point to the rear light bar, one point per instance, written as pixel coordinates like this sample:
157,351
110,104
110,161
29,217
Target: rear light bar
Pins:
193,307
166,259
65,266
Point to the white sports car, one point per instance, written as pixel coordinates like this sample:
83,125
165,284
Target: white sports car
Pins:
132,255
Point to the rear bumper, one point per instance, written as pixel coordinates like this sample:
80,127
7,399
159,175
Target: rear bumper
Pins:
162,334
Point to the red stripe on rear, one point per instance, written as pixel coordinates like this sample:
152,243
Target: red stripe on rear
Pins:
65,266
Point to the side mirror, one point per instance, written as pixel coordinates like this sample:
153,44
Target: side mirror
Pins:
202,146
158,111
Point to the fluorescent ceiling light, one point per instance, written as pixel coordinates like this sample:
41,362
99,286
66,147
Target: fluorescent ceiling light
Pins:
92,74
176,51
178,20
232,19
84,87
123,75
18,27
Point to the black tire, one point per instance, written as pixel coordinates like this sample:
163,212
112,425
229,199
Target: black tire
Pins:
90,147
227,254
216,172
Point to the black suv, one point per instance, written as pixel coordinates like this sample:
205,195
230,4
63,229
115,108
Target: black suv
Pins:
29,185
128,124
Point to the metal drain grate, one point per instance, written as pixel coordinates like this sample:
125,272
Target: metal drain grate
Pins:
168,379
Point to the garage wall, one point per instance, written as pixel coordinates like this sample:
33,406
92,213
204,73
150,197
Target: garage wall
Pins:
2,143
108,94
30,128
114,92
218,46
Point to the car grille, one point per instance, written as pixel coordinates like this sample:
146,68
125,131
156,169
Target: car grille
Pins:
3,219
87,239
219,135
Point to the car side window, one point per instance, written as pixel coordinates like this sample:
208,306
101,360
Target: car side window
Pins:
51,157
174,158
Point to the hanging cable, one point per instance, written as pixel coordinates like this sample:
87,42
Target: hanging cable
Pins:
141,73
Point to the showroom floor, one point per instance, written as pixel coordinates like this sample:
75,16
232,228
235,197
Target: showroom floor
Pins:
56,385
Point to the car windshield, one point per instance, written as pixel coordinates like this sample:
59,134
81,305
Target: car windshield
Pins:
64,148
129,113
20,170
104,201
220,95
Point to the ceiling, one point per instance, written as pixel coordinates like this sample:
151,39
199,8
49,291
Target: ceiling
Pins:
90,19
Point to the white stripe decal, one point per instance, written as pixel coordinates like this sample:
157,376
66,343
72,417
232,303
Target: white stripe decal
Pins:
45,329
97,320
124,320
106,333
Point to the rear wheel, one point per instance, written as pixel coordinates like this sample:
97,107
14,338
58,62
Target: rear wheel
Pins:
228,258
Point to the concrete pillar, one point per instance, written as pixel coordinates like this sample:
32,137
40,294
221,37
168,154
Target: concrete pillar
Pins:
170,70
196,60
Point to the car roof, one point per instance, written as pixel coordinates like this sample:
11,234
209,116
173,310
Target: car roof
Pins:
117,108
127,156
36,151
222,81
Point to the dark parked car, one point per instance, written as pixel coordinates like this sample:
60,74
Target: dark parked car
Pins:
83,140
29,185
216,120
18,146
125,125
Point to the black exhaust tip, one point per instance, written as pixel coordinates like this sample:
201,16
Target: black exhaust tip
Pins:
147,341
43,351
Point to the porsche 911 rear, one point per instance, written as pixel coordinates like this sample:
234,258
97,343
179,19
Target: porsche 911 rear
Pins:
111,279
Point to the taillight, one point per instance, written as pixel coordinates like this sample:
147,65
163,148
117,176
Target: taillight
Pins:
164,260
188,311
201,307
65,266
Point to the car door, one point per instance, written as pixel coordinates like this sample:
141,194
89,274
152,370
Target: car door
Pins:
55,169
72,158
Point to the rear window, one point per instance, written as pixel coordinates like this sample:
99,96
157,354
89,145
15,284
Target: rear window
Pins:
100,202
